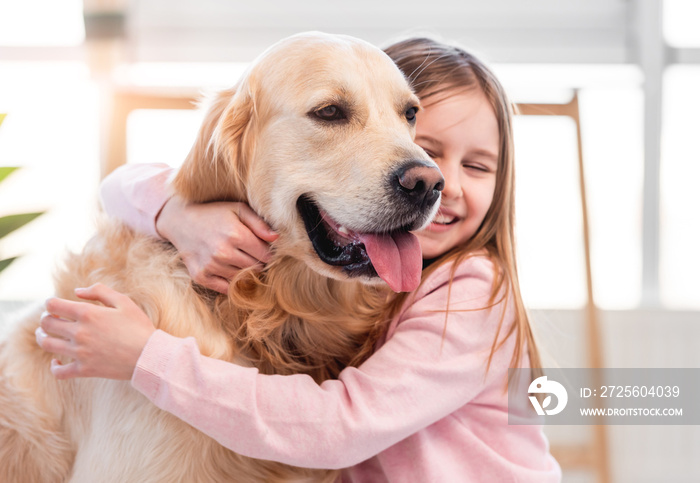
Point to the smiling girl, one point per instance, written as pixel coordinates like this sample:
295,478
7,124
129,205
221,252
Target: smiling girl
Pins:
430,403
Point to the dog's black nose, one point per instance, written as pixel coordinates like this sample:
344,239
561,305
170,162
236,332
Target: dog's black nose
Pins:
419,183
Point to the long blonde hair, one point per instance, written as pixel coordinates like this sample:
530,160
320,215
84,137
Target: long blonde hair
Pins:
434,68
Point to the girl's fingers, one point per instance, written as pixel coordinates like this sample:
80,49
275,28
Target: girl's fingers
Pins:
54,345
40,335
55,326
256,224
227,267
65,371
258,250
71,310
219,277
237,262
243,249
100,293
66,309
216,283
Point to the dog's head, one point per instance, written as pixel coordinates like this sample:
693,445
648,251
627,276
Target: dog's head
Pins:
318,138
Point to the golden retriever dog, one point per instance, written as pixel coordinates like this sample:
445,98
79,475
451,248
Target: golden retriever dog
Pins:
318,138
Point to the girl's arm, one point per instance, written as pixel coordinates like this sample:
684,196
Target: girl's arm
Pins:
424,372
215,240
136,194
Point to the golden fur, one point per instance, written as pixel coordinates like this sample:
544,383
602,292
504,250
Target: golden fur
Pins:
258,144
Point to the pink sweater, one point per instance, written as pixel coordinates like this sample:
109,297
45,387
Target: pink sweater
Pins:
421,408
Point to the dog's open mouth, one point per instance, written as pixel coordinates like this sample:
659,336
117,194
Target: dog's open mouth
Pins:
394,256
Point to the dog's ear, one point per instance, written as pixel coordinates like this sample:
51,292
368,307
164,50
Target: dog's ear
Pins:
216,166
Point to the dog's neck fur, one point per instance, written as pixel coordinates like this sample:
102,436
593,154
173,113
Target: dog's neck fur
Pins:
289,319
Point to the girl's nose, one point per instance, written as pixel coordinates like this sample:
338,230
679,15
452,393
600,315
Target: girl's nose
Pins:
452,189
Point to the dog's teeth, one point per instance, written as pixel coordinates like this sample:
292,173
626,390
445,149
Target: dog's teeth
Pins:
343,230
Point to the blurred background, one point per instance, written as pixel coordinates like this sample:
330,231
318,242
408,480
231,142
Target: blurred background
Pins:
89,85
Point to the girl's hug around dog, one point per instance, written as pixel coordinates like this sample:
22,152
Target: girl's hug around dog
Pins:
317,346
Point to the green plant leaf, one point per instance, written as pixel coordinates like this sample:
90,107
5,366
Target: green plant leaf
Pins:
5,172
6,262
10,223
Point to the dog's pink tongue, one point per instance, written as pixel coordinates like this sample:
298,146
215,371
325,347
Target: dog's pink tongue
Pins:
396,258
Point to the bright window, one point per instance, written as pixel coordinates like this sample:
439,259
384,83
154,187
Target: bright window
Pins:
161,136
680,19
158,135
613,142
680,195
52,132
549,220
549,234
41,22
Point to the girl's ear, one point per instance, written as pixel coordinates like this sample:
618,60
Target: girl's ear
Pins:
215,168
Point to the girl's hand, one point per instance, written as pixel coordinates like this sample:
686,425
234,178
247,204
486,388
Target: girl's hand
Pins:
215,240
103,341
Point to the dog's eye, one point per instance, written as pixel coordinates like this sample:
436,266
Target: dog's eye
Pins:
411,114
330,113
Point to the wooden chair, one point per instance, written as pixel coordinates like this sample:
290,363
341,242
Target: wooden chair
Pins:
126,100
592,455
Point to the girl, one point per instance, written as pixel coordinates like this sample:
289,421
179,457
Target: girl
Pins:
430,404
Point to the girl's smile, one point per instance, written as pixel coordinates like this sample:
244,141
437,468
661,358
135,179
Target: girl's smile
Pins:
443,221
460,132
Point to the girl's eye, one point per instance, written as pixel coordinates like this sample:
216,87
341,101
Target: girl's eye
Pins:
429,153
476,167
411,114
330,113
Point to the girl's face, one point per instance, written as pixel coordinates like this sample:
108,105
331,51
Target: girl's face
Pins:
460,132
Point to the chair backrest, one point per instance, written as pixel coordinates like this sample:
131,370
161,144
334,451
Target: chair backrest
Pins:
593,454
